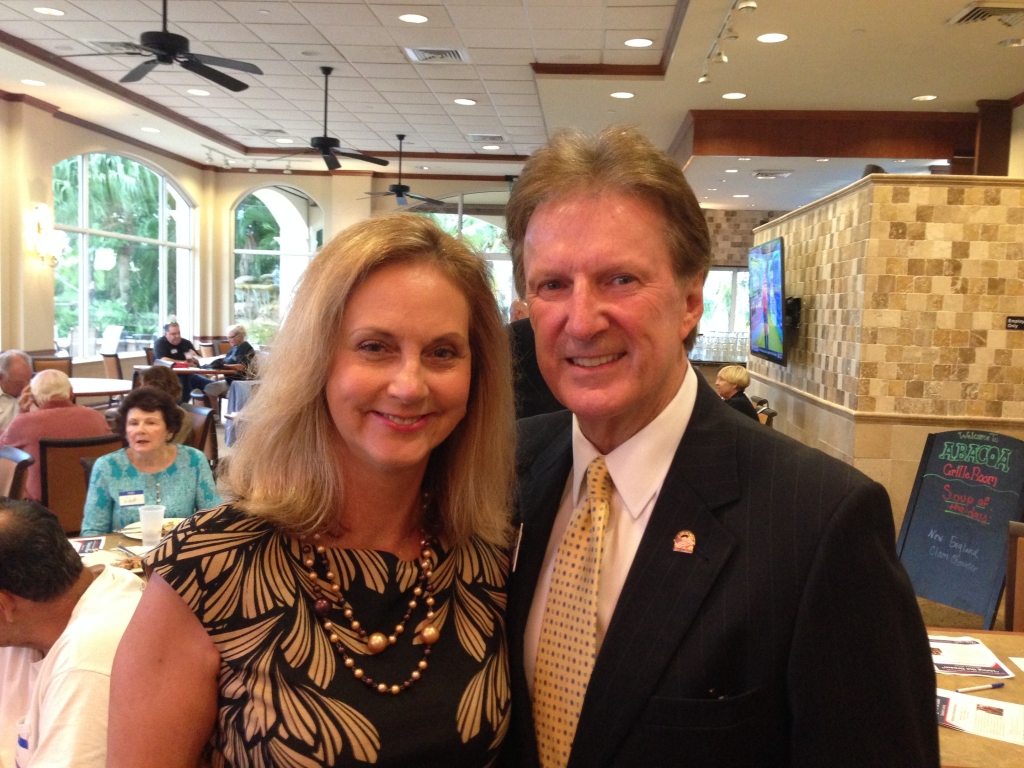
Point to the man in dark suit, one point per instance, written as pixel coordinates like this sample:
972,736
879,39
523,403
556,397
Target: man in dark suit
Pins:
689,588
533,395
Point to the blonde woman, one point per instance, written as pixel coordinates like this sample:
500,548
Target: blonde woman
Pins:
730,383
348,608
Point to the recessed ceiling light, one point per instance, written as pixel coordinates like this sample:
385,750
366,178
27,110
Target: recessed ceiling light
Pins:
310,54
48,11
150,130
639,42
712,189
622,95
899,161
198,92
264,12
822,159
772,37
32,82
925,98
741,195
413,18
743,159
1016,42
285,141
704,197
423,167
734,95
731,170
491,147
465,102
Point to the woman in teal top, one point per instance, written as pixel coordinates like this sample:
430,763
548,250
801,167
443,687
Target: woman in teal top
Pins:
151,470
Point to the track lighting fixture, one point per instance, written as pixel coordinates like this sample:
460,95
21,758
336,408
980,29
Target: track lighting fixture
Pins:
746,5
719,57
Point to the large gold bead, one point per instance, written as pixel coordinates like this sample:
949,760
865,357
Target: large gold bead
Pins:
382,688
377,642
430,635
414,676
396,689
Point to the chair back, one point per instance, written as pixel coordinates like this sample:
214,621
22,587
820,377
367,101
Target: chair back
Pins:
64,488
1015,578
767,416
56,363
759,402
87,462
149,355
14,464
204,433
206,349
112,365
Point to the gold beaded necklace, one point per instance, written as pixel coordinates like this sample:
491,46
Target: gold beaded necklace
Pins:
376,642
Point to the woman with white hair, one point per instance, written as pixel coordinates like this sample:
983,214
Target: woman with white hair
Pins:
235,365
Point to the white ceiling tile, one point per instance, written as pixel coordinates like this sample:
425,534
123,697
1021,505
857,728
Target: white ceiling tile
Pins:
9,14
479,123
472,17
194,112
277,67
432,114
487,3
367,54
152,89
616,38
488,72
174,102
457,111
296,34
445,147
497,38
117,10
512,86
239,113
568,56
311,69
85,30
263,104
370,106
400,85
642,3
104,63
566,18
530,122
30,30
658,17
343,84
192,10
571,3
646,56
217,103
25,7
447,71
336,14
469,88
250,13
134,29
526,149
62,46
319,53
388,15
410,98
419,37
245,51
583,39
218,33
386,70
286,81
505,111
502,56
279,114
344,35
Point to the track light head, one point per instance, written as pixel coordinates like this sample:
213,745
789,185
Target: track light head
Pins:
729,34
705,78
747,5
719,57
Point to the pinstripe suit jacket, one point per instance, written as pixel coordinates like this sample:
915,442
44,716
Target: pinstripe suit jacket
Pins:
790,636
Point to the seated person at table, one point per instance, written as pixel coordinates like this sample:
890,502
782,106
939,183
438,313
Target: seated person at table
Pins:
171,348
163,378
65,621
151,470
15,374
731,382
354,594
234,365
56,415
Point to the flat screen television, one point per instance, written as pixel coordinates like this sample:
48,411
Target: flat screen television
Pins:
767,301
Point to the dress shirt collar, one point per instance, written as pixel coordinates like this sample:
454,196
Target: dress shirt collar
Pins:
638,467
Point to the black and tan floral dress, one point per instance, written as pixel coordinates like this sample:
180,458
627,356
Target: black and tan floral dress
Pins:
285,698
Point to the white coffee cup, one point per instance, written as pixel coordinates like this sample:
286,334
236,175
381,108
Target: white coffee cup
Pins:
151,521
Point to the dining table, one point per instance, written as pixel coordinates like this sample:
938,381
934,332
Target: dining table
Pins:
90,387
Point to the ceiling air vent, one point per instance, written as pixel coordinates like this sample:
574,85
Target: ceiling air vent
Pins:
771,174
485,138
437,55
269,132
114,46
1009,13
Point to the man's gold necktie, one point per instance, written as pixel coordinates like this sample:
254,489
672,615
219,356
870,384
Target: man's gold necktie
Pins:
568,636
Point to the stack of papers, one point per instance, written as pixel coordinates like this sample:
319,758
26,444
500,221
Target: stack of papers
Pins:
983,717
965,656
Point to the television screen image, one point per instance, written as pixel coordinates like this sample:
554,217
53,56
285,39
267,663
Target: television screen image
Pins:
767,299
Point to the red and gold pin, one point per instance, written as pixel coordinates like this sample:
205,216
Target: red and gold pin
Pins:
684,542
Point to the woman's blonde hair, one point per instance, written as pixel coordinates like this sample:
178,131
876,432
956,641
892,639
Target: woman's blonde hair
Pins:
285,468
736,375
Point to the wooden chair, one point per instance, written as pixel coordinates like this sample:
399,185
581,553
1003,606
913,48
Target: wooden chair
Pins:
56,363
204,433
1015,578
149,355
14,464
222,347
767,416
64,488
759,402
112,365
206,349
87,462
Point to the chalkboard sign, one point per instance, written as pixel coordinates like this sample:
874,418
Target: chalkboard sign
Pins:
953,539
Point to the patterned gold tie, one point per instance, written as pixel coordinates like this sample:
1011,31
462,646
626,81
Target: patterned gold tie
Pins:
568,634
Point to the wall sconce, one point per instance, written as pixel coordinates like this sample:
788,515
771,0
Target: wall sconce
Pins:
41,239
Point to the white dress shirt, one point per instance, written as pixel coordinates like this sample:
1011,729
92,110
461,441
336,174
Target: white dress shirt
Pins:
8,410
638,468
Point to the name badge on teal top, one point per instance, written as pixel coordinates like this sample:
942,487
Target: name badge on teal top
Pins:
132,498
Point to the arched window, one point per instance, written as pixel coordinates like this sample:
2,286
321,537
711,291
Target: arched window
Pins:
127,267
277,231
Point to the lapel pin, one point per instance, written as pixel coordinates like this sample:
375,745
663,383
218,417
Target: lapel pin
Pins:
684,542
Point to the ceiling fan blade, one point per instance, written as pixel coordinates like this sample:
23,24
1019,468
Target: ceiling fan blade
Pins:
119,53
139,72
377,194
360,156
400,199
331,160
216,61
211,74
430,200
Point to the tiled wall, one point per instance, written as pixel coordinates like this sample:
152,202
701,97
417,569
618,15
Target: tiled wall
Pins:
906,284
732,234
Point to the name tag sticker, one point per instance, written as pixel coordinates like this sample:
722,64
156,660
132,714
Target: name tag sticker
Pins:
132,498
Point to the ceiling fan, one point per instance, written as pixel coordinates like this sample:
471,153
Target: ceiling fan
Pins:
167,48
328,146
400,190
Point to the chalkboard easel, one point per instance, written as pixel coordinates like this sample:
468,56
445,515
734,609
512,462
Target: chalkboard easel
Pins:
953,539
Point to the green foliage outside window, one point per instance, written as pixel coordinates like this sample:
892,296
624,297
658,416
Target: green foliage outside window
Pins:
257,303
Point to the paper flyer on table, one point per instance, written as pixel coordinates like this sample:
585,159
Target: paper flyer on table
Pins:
965,656
983,717
84,546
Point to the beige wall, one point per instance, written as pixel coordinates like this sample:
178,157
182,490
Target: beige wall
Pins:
732,234
32,141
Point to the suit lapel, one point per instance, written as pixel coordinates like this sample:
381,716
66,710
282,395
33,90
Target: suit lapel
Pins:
664,589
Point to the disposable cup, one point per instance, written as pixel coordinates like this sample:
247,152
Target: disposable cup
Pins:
151,520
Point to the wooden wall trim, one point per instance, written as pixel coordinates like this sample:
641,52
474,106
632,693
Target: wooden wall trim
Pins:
129,140
439,177
406,155
32,101
1017,100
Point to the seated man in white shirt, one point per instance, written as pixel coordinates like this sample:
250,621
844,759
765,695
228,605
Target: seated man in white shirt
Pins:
15,375
72,619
